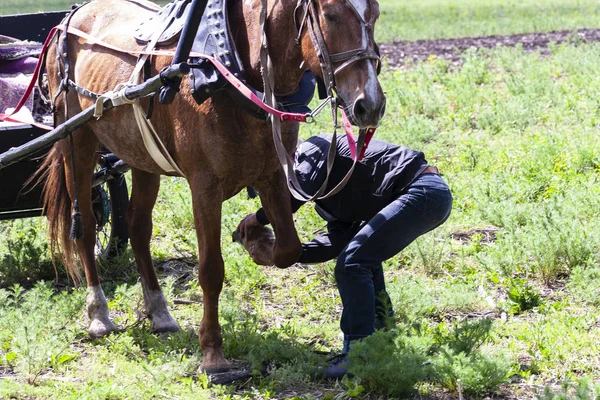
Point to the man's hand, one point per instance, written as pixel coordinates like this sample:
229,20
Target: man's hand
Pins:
245,225
256,238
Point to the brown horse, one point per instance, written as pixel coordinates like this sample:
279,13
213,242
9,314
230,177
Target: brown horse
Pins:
219,148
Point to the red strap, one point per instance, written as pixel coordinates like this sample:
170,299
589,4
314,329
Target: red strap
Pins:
239,85
369,135
351,141
243,89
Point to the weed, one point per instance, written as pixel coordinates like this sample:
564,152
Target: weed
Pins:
465,337
34,341
397,362
523,295
582,389
24,253
584,284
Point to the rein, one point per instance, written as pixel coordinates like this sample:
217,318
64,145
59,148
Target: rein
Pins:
310,19
232,79
326,60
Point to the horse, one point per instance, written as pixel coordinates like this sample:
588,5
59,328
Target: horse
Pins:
218,147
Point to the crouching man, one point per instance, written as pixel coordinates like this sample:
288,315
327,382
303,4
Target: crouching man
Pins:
392,198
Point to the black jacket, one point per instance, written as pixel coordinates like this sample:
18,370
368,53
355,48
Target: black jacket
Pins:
384,171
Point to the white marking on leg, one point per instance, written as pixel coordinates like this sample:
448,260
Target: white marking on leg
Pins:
97,308
156,307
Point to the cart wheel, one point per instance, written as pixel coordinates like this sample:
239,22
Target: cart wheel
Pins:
110,201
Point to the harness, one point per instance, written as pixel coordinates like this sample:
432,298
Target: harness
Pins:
222,69
328,88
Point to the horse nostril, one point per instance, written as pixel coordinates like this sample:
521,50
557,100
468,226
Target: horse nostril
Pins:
360,109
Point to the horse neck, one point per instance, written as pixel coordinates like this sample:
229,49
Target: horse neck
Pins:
285,53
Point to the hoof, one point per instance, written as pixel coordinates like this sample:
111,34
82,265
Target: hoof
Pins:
99,328
164,324
214,367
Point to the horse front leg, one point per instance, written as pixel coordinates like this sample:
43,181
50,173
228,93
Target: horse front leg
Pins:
276,201
139,219
207,200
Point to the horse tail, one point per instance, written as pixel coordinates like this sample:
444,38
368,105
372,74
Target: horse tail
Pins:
57,208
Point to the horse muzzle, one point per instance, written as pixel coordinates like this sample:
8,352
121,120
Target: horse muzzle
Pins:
367,111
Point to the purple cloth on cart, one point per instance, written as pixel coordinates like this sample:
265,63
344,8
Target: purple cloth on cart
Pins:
17,63
25,65
12,88
14,49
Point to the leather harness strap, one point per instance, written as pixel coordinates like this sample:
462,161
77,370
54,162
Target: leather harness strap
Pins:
152,142
310,20
238,84
326,61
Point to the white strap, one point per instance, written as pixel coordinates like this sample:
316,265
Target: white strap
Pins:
151,138
154,146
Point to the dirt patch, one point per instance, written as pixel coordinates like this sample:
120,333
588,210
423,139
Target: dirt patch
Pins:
401,52
481,235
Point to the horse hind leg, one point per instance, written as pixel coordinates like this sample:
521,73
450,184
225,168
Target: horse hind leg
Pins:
78,182
207,202
143,197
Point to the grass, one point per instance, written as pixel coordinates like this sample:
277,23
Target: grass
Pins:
434,19
32,6
503,299
9,7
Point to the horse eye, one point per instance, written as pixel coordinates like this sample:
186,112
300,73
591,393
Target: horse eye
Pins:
332,18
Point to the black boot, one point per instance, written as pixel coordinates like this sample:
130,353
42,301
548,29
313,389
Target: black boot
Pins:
338,368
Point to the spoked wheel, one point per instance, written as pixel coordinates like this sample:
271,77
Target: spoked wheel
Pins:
109,202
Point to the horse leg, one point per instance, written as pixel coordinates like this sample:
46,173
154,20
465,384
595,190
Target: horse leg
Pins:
207,202
79,182
276,201
139,218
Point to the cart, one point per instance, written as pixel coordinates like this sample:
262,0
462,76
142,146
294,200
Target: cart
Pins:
17,200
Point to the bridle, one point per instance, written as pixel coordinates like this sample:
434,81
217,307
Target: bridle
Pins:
310,20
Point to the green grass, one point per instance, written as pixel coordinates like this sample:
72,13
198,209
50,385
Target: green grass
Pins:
515,137
434,19
9,7
503,298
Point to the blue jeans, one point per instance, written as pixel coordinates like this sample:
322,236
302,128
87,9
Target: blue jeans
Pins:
418,209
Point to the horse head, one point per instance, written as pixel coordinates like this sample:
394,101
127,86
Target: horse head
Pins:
333,38
338,45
